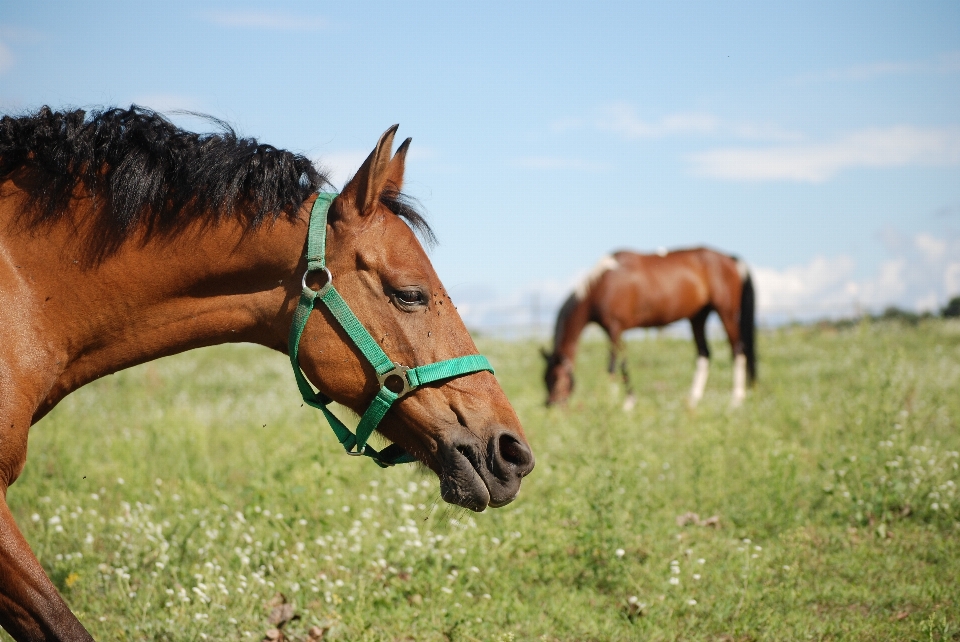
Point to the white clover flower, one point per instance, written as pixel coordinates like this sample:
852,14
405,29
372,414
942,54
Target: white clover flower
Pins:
633,599
696,576
120,481
692,602
701,561
35,517
620,552
674,580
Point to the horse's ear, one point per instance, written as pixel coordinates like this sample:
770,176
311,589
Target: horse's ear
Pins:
365,187
395,168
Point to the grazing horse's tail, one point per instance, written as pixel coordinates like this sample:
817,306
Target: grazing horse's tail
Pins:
748,320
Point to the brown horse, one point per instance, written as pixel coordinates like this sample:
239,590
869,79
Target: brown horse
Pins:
124,239
628,290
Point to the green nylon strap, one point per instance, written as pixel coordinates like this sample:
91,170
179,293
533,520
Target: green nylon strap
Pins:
352,326
375,412
317,232
447,369
356,444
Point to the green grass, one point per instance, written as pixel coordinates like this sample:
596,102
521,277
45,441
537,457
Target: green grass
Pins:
835,488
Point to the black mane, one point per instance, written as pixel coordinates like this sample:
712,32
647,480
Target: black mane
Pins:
142,170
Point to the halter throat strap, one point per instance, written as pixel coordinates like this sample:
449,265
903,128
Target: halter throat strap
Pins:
395,380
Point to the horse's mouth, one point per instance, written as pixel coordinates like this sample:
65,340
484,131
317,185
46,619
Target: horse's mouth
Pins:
462,484
475,476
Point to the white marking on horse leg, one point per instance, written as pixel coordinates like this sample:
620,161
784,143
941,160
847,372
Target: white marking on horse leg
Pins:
739,380
699,381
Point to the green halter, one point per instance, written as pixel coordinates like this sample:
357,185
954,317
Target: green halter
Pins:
402,379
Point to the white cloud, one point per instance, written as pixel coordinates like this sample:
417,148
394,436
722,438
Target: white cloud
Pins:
815,289
6,58
922,273
929,246
265,19
817,162
951,279
622,119
763,132
945,63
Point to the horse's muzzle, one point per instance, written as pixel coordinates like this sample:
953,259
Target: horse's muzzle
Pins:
476,474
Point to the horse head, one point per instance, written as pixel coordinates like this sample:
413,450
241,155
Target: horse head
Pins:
558,377
463,428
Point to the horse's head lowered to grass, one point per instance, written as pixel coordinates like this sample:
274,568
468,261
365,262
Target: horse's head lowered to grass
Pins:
559,377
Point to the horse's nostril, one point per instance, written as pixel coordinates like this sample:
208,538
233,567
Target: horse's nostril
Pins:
514,452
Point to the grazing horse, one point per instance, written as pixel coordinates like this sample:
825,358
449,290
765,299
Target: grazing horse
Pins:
628,290
124,239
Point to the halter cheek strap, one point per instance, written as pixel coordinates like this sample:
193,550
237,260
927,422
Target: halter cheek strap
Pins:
401,379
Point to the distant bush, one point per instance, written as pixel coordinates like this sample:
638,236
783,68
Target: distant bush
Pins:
893,313
952,309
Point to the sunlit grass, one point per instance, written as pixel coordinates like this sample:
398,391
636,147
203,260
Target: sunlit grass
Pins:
176,500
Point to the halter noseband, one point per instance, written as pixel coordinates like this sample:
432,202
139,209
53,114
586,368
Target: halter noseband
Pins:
404,379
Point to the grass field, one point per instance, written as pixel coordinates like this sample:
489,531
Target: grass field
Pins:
176,501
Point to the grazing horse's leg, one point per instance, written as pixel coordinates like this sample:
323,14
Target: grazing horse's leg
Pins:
619,354
30,606
731,325
698,323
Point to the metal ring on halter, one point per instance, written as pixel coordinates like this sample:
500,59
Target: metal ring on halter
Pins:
401,372
323,290
357,453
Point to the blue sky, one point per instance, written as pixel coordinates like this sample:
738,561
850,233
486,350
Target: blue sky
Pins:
819,141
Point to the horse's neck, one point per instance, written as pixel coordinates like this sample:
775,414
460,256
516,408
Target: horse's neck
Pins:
208,285
571,320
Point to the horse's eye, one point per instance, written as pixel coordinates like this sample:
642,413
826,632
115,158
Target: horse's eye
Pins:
410,297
